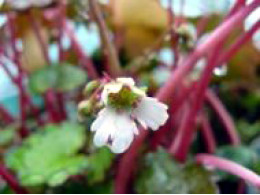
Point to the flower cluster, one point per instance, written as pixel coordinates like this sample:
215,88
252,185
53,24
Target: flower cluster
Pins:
25,4
125,106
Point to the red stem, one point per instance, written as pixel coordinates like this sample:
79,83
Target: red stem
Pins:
6,116
233,49
11,181
126,164
224,116
84,59
36,28
230,167
215,38
208,135
34,109
180,147
19,80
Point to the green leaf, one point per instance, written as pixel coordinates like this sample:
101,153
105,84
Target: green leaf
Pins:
49,156
162,175
248,131
240,154
63,77
6,136
99,163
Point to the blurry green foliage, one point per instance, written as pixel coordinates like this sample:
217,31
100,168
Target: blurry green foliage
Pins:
161,174
247,130
60,77
7,135
49,156
99,163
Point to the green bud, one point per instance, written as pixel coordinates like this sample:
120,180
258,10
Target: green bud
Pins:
91,87
124,99
86,107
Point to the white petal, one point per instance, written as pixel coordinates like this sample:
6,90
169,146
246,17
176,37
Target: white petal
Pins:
123,137
19,4
151,112
112,87
128,81
100,119
105,127
41,3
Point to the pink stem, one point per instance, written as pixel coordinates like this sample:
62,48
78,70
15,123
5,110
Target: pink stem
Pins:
11,181
238,4
19,80
215,38
36,28
230,167
34,109
86,62
224,116
50,98
126,164
6,116
208,135
180,147
238,44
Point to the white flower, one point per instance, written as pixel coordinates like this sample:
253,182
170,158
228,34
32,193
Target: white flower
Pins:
116,126
25,4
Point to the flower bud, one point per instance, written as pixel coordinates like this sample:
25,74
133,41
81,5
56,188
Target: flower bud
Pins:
91,87
85,107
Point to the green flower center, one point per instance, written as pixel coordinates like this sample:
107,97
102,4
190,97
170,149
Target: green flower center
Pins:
124,99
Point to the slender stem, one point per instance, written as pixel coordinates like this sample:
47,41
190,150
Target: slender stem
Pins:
208,135
11,181
230,167
19,80
233,49
224,116
221,32
42,43
114,64
6,116
84,59
238,4
126,164
34,109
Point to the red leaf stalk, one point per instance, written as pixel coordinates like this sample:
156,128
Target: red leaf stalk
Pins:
207,133
84,59
6,116
229,166
224,116
11,181
167,91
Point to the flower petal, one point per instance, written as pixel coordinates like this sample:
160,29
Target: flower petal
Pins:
123,137
100,119
151,112
126,80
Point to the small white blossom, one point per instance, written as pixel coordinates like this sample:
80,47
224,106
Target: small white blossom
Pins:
25,4
116,126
